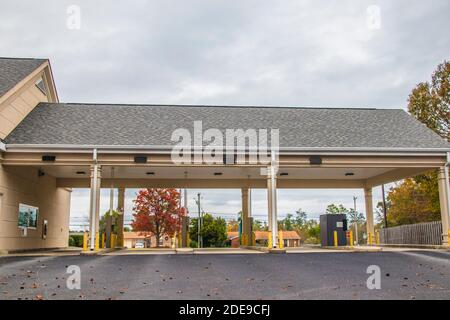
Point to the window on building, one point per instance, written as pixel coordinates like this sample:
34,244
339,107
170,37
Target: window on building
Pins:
41,86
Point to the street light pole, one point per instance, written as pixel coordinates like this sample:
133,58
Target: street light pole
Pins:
356,218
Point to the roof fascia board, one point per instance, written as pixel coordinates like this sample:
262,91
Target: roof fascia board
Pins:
51,80
167,149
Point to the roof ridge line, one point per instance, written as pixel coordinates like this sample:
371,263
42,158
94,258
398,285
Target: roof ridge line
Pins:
22,58
217,106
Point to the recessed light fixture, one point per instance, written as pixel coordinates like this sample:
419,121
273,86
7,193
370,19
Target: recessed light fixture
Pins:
150,173
217,173
349,174
284,174
140,159
315,160
81,172
48,158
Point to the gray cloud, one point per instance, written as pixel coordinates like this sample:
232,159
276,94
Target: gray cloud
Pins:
304,53
313,53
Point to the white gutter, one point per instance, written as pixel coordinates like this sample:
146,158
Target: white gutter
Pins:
169,148
2,146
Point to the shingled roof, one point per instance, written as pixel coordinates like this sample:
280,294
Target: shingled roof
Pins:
14,70
152,125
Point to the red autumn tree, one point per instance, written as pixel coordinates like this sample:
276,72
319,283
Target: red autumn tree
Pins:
158,211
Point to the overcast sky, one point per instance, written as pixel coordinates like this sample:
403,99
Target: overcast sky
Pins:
289,53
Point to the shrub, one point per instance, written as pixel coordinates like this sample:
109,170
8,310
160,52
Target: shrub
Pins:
76,240
312,240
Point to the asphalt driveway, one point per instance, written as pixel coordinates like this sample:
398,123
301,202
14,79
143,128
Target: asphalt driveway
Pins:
340,275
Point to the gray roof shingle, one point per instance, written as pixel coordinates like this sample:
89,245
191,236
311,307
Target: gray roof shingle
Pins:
14,70
101,124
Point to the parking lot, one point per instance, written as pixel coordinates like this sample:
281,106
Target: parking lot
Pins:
326,275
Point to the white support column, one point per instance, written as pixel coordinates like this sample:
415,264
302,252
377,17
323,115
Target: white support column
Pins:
369,215
269,200
272,201
97,200
274,208
94,209
92,198
444,195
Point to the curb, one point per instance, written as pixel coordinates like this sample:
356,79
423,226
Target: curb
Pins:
353,248
415,246
277,251
184,251
34,250
262,249
99,252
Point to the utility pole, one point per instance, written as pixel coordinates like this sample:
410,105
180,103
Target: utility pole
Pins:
356,218
385,215
384,206
199,223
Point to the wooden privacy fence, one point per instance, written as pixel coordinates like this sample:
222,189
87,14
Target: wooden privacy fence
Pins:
420,233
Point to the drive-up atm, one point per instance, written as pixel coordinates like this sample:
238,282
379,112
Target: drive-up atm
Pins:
330,223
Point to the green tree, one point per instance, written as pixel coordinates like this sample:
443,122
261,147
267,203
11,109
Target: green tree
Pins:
379,213
334,209
429,102
356,219
312,228
287,223
300,218
102,222
416,199
214,231
258,225
355,216
308,230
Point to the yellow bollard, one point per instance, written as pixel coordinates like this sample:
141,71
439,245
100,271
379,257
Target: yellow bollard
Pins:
378,238
179,240
280,239
269,240
97,241
188,240
253,239
174,241
369,238
103,240
335,238
113,240
244,239
85,241
351,238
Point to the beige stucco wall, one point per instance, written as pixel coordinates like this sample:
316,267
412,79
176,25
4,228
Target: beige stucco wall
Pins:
22,185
